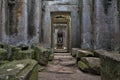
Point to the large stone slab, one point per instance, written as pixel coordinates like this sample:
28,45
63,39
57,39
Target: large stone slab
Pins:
84,53
98,52
110,66
19,70
90,65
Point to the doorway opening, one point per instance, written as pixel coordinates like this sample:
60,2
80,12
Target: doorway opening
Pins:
60,31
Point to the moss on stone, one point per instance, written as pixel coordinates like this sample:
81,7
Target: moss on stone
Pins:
51,57
43,55
23,54
51,54
3,54
82,66
19,70
16,56
3,62
93,63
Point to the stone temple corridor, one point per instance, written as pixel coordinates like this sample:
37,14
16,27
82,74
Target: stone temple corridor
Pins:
59,39
63,67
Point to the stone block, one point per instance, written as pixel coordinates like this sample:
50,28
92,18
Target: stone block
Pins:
84,53
90,65
26,54
19,70
3,62
110,66
41,55
98,52
15,53
74,51
51,54
3,54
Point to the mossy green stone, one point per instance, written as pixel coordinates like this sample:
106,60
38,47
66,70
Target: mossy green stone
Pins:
19,70
15,51
3,62
3,54
51,57
42,55
82,65
25,54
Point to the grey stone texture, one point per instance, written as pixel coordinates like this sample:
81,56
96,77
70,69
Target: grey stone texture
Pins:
110,64
94,23
90,65
100,26
19,24
19,70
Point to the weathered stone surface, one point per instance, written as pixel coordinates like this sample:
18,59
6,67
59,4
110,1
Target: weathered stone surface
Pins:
26,54
15,53
3,62
18,53
84,53
90,65
3,54
19,70
51,54
43,55
98,52
110,66
74,51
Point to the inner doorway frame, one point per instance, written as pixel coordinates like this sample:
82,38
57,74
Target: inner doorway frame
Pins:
53,14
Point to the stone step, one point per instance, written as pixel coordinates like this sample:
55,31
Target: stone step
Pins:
62,54
59,69
63,57
68,63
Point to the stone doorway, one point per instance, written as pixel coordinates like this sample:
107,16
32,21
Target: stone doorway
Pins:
60,31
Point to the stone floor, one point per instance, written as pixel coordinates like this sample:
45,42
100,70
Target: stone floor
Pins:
63,68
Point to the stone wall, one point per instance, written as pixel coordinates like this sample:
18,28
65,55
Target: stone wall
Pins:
99,24
21,21
94,23
57,6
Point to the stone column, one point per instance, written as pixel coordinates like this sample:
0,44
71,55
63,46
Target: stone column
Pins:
20,36
100,26
34,20
117,26
86,24
1,19
4,37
